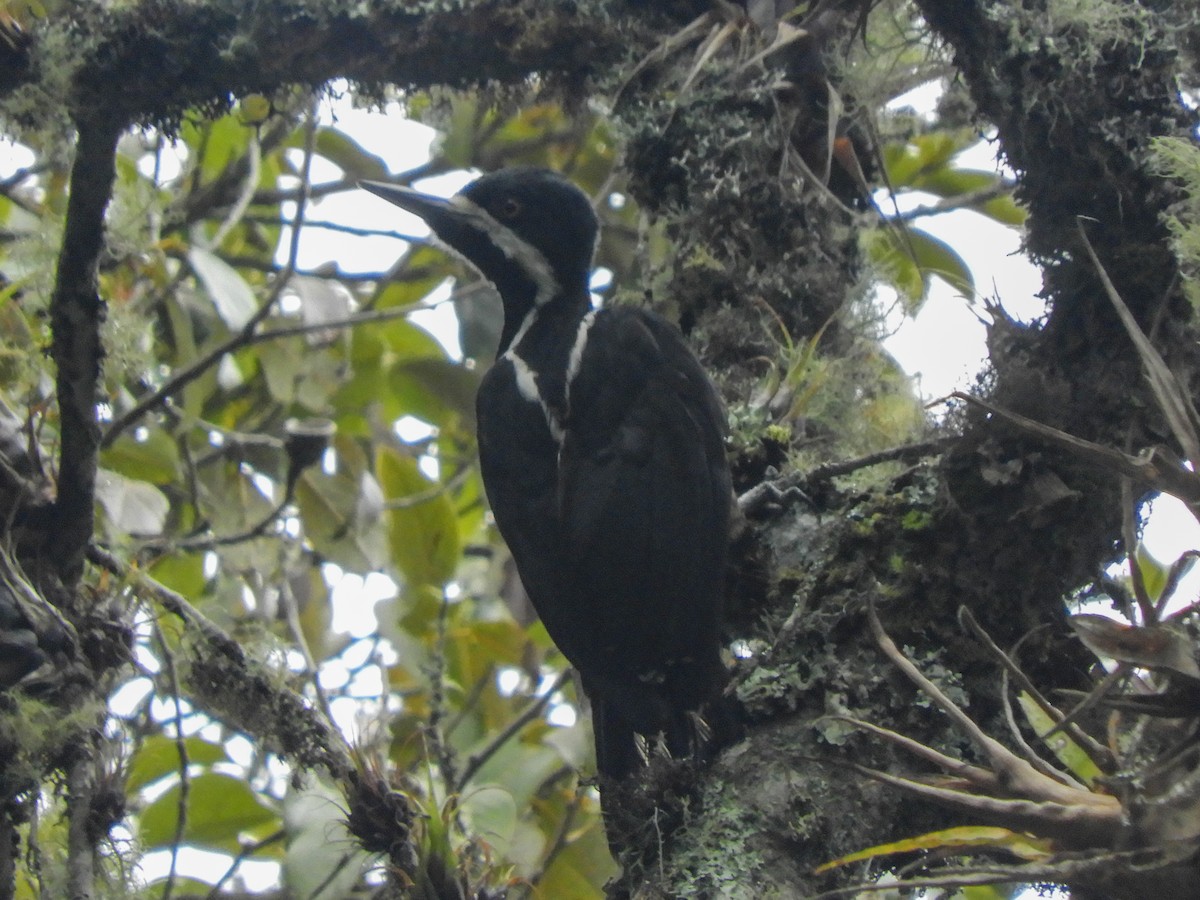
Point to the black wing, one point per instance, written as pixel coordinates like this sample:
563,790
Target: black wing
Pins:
518,458
644,500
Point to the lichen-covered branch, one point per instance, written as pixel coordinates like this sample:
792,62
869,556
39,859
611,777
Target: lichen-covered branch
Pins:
170,56
76,312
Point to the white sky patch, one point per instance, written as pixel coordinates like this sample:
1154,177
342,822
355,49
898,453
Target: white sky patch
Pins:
354,598
203,865
128,697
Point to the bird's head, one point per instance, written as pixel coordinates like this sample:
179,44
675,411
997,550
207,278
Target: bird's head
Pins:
529,231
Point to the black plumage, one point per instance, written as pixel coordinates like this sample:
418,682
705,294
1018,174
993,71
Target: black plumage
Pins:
601,442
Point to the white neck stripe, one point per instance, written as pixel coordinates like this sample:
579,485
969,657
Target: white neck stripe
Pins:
531,260
527,386
576,357
526,324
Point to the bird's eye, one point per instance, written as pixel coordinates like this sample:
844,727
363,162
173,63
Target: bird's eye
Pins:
510,208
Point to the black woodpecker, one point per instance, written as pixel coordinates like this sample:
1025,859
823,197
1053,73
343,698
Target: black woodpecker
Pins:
601,442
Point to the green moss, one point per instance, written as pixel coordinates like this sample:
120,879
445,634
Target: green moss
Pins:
1179,159
719,859
778,432
36,736
916,520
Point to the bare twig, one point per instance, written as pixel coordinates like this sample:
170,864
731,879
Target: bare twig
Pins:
190,373
287,598
1095,751
961,201
245,195
437,699
902,453
1018,776
1151,468
561,835
532,711
185,782
244,853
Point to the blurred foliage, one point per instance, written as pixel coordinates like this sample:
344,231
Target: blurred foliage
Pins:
909,257
194,485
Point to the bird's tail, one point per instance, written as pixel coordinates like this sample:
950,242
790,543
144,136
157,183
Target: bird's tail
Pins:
696,734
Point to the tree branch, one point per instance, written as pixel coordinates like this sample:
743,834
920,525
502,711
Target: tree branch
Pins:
76,312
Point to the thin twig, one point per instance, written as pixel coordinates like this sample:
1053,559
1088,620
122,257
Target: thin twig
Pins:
476,761
1014,771
903,453
962,201
246,851
1151,468
431,493
242,203
321,745
202,544
437,698
185,783
1018,738
292,613
190,373
343,228
561,835
1095,751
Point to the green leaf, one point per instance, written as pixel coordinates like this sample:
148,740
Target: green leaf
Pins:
1005,210
134,507
227,289
342,512
923,154
436,390
491,814
456,144
183,573
896,266
154,459
216,143
1066,750
423,532
582,865
424,268
908,258
347,154
158,757
967,837
322,861
220,808
935,257
1154,573
950,182
410,341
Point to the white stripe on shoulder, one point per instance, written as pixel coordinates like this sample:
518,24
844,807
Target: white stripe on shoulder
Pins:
526,324
527,387
576,357
526,379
